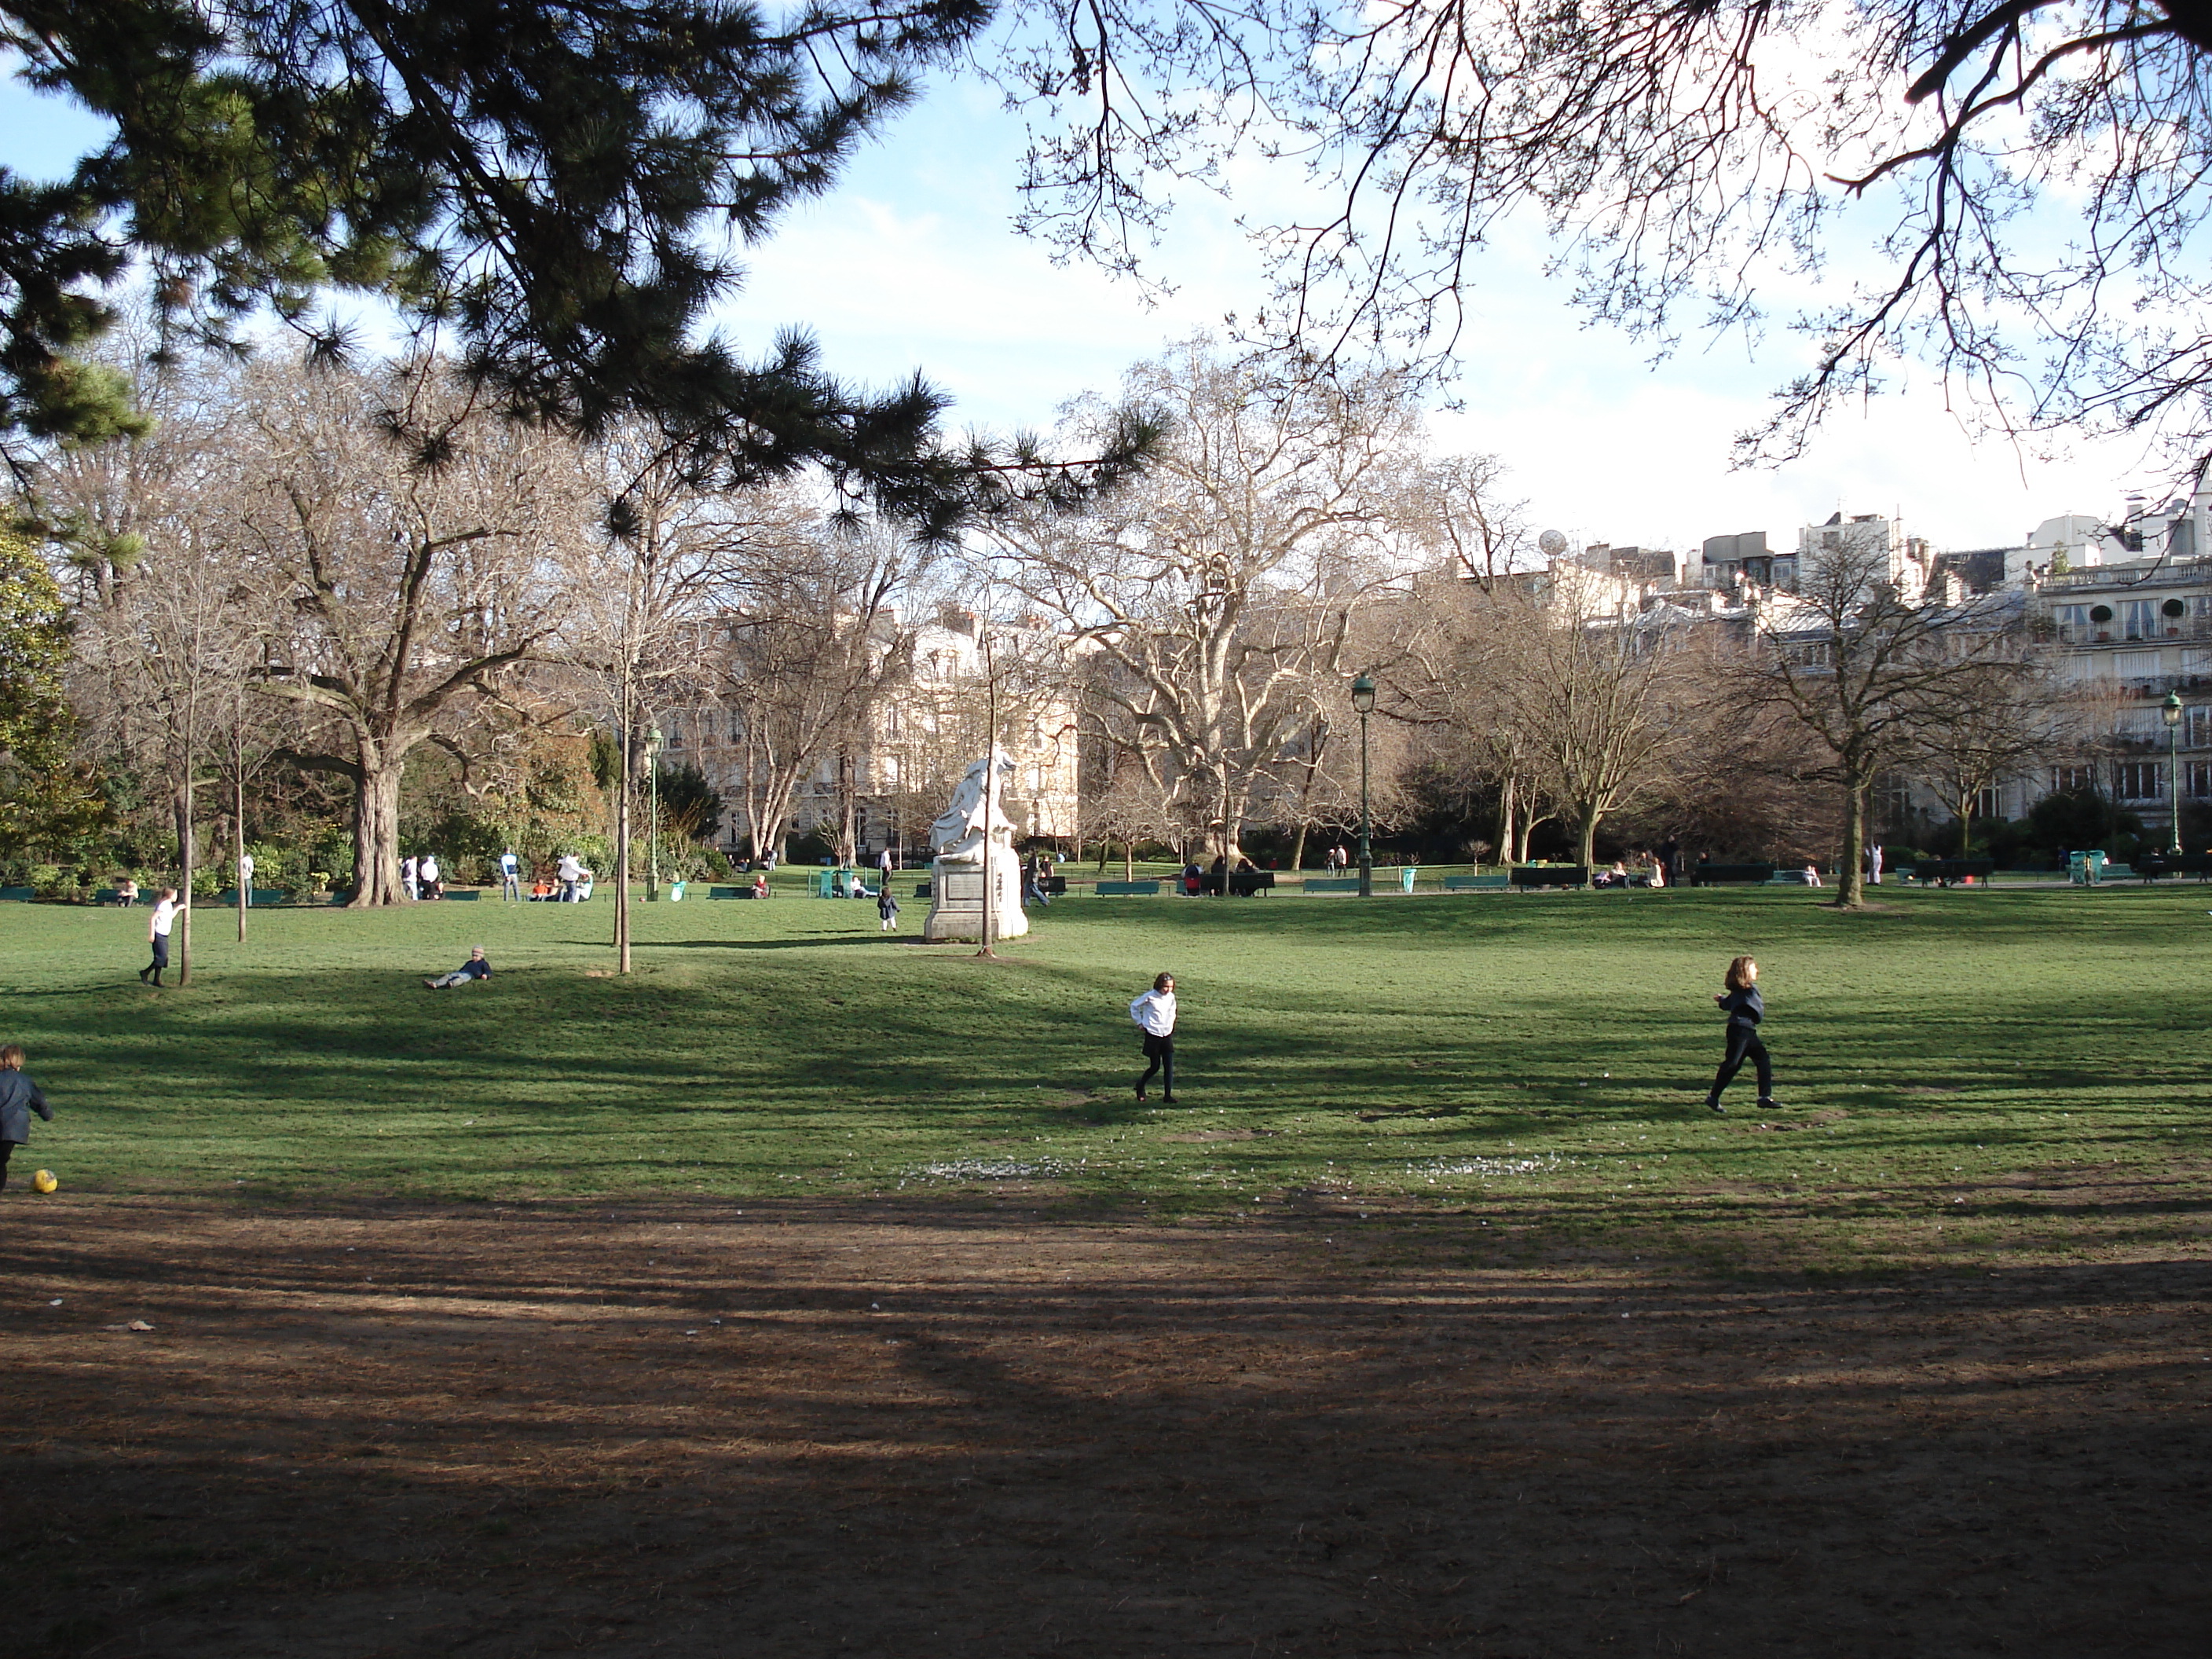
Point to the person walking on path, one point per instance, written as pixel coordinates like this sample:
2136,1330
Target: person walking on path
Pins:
246,879
1155,1014
157,934
886,906
1745,1009
407,877
19,1098
475,968
1874,863
510,876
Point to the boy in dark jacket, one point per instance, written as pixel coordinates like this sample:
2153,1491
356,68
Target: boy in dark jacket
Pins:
19,1098
1745,1009
475,968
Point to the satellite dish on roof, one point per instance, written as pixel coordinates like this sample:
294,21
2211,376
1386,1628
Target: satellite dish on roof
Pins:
1553,544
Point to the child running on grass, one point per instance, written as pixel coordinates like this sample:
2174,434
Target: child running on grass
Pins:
1745,1010
19,1098
886,906
1155,1014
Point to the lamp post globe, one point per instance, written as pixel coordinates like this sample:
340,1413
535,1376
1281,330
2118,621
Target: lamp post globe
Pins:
2172,711
1362,700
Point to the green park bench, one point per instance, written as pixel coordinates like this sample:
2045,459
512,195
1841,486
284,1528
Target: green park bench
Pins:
1718,875
1498,882
1526,876
451,895
114,896
262,896
1331,885
1123,888
729,892
19,894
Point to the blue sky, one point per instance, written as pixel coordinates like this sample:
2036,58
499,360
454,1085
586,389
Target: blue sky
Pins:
912,263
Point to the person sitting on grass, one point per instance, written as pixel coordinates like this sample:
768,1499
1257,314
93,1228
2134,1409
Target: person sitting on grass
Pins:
475,968
760,884
19,1098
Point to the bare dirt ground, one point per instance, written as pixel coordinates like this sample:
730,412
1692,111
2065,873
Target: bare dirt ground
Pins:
809,1429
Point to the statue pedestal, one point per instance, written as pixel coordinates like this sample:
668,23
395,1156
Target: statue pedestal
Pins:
956,904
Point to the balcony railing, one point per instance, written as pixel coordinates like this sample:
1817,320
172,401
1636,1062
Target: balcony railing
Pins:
2177,573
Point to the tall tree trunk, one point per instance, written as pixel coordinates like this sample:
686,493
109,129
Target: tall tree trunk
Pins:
1850,889
184,924
1589,835
1507,812
1128,860
622,850
376,832
1298,848
238,830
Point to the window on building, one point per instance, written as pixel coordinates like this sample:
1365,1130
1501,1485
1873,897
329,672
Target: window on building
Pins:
2196,727
2073,780
2172,613
2139,619
2135,665
2198,776
2140,780
2072,622
1989,802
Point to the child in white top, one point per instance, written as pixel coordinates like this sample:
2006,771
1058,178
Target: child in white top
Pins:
1155,1014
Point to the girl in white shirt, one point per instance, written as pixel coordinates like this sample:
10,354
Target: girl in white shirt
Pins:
157,934
1155,1014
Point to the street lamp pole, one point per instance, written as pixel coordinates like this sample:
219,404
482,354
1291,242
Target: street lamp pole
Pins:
1363,699
653,741
2172,712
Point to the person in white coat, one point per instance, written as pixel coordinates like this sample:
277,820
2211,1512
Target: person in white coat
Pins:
246,878
1155,1014
1874,863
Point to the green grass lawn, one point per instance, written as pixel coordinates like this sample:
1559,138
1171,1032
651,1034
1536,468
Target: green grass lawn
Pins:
1960,1072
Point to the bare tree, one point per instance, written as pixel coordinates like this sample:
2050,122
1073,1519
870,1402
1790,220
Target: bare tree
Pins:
637,633
416,575
1215,596
811,647
2000,719
1686,157
1869,669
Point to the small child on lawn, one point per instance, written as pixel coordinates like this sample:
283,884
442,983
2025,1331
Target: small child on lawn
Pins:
19,1098
1745,1010
887,907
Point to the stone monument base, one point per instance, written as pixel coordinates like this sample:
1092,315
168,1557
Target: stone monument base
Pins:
955,902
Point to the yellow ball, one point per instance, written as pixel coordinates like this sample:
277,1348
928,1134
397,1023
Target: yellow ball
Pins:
45,1181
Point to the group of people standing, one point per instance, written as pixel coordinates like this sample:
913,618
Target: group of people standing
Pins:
420,875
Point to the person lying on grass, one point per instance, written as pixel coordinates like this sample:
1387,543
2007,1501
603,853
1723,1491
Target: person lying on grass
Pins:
475,968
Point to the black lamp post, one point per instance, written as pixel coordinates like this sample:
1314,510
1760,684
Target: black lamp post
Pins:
1363,699
2172,712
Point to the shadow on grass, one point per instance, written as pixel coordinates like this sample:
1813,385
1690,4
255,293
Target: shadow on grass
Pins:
918,1428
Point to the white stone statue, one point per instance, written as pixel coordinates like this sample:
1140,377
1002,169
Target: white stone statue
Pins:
958,839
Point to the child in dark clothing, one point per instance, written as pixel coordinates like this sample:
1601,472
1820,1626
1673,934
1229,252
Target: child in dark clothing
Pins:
19,1098
475,968
1745,1010
887,907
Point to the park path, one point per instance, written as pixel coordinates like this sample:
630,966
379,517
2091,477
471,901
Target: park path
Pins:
809,1428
